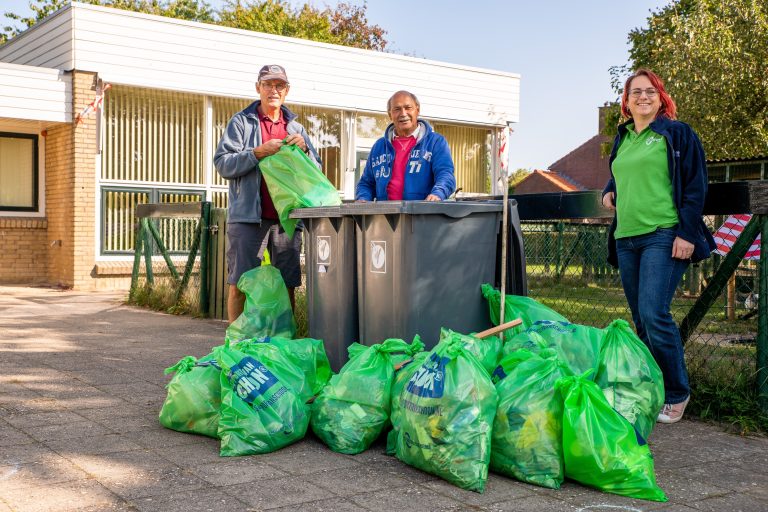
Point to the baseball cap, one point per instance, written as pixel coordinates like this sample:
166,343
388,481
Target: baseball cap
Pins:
273,72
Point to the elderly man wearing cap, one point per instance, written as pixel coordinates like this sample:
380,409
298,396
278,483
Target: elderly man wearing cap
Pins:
411,161
257,132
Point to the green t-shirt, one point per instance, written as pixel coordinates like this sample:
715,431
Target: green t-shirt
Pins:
643,189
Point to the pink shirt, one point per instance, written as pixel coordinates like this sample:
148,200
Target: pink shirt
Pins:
270,130
403,147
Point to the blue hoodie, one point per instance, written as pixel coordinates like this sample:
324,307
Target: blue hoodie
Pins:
235,162
429,169
688,174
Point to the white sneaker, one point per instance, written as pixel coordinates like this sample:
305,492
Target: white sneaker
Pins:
672,413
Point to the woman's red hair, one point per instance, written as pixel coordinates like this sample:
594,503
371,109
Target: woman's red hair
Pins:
668,108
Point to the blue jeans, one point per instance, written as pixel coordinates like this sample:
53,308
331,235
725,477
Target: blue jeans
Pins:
650,276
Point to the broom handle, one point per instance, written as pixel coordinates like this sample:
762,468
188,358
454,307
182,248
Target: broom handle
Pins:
498,328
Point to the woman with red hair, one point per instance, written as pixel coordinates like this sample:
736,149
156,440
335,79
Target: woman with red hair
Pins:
657,188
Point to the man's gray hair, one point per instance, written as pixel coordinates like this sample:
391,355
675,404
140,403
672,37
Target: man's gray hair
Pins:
398,93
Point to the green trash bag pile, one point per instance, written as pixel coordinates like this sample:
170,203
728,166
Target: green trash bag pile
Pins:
267,309
630,378
404,370
263,407
194,397
517,306
486,350
306,353
294,181
577,345
527,431
353,409
601,449
446,416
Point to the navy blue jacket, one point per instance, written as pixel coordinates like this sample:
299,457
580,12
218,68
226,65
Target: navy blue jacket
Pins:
429,169
688,173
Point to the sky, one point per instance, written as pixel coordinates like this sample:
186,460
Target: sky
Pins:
561,48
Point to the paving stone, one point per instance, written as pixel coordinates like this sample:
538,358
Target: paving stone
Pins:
93,445
535,503
11,436
202,500
681,487
356,480
497,488
236,470
43,418
203,450
329,505
23,453
56,432
138,474
308,456
158,437
73,496
278,492
51,469
731,502
414,498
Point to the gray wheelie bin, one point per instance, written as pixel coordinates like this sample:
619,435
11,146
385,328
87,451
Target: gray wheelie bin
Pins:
420,266
330,265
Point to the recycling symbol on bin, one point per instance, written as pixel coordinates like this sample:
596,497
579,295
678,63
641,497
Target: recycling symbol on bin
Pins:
323,250
379,256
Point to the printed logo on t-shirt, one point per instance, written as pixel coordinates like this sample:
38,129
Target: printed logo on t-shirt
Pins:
653,138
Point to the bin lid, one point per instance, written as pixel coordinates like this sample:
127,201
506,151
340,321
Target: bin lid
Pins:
316,212
452,209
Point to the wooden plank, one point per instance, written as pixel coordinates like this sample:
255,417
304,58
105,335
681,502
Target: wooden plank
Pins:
168,210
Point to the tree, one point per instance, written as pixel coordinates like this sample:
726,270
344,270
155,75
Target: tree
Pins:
345,25
712,56
192,10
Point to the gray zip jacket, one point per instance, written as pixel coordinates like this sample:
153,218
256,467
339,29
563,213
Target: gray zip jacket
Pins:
235,162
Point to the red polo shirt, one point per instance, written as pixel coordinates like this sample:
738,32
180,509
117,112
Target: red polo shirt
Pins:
270,130
403,147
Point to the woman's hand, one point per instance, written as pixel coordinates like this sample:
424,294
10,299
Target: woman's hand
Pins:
608,200
682,249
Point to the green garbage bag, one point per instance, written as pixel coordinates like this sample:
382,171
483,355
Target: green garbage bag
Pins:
306,353
577,345
194,397
517,306
527,432
403,373
396,358
294,181
600,447
447,411
353,409
630,378
260,410
486,350
267,310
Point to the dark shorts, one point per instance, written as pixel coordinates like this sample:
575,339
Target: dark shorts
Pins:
247,243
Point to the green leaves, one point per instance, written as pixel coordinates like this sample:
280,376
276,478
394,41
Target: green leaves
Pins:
712,55
346,24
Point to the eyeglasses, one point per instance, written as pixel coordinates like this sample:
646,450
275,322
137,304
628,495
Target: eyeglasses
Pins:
279,87
650,92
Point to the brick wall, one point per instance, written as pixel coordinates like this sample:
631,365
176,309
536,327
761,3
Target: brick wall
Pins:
24,255
58,207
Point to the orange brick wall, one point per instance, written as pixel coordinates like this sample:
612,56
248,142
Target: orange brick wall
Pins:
58,208
24,251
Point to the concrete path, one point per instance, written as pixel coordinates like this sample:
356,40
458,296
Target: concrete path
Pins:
81,383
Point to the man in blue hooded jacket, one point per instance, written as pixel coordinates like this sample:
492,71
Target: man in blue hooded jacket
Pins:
410,162
252,134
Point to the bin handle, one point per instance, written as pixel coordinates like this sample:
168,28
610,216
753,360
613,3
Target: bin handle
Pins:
498,328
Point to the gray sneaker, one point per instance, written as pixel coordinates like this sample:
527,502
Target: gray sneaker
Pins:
672,413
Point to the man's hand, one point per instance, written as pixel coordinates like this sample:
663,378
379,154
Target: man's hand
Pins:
682,249
297,139
268,148
433,197
608,201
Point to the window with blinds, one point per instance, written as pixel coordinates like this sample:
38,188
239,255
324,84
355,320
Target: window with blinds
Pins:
18,172
471,152
153,136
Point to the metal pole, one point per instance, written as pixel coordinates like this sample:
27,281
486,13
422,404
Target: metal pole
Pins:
205,237
762,319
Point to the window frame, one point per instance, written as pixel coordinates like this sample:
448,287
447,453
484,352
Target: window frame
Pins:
35,177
